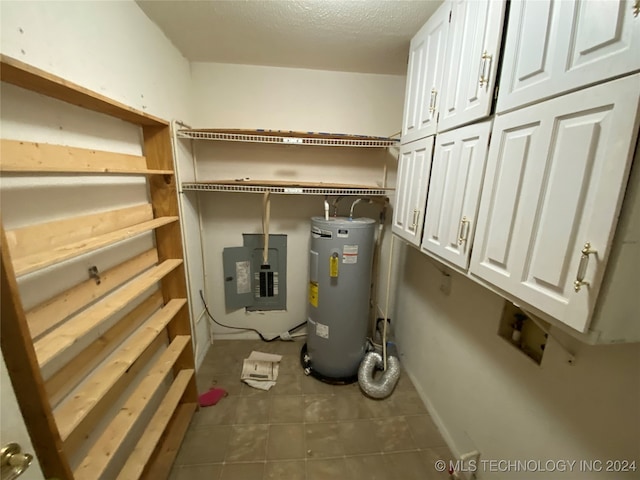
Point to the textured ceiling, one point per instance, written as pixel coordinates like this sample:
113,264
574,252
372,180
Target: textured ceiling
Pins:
370,36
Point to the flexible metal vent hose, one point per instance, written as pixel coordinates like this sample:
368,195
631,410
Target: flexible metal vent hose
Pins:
385,383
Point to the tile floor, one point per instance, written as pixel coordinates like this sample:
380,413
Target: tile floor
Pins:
303,429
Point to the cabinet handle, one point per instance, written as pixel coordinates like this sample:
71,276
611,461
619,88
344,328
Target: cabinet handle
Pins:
414,225
485,68
636,8
582,268
432,102
464,230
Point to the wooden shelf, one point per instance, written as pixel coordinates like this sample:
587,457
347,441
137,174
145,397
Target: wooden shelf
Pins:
152,435
53,311
77,438
31,78
40,260
74,411
102,452
41,237
62,338
68,377
162,460
288,137
280,187
30,157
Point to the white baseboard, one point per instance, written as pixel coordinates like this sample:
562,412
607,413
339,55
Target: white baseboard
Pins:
434,415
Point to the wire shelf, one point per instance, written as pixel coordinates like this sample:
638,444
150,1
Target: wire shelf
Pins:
287,190
289,138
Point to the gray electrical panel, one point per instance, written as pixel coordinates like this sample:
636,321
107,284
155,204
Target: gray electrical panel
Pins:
251,283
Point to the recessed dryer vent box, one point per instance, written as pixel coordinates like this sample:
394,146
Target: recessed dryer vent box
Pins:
521,331
250,283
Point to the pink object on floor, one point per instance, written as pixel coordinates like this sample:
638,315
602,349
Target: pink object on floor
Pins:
211,397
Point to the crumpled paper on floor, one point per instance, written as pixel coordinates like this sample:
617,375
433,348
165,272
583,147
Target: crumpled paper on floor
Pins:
260,370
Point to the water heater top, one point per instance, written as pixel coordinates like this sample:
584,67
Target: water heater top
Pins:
362,222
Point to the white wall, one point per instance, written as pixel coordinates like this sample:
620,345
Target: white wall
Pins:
110,47
485,395
242,96
248,96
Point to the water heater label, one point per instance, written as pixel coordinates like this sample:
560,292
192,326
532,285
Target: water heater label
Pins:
322,330
313,294
343,233
350,254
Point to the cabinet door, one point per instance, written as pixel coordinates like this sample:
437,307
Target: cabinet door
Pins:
558,46
555,179
473,46
454,192
411,189
424,77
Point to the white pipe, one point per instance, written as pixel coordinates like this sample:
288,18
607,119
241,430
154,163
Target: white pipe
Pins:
335,204
377,261
326,208
357,200
266,213
466,456
386,305
384,176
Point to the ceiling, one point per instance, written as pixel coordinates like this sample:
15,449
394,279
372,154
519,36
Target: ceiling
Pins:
369,36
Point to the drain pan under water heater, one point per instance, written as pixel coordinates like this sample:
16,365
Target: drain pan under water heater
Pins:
340,264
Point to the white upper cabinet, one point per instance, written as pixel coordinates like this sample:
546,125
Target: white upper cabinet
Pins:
411,191
454,192
555,180
557,46
424,77
473,46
